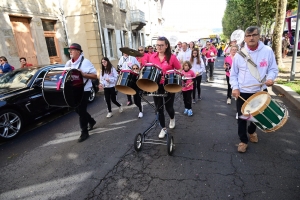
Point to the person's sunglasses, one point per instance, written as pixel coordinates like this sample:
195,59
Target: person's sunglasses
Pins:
141,50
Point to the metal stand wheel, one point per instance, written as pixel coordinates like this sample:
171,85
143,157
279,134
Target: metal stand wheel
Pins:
170,144
138,142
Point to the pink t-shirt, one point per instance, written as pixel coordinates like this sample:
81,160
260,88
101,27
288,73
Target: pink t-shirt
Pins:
143,60
207,53
164,65
187,85
228,59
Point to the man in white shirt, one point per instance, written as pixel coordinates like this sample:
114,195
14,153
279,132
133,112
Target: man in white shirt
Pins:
88,72
184,54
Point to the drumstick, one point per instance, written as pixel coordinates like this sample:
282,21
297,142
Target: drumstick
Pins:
242,98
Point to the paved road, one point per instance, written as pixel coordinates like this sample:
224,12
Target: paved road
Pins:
48,163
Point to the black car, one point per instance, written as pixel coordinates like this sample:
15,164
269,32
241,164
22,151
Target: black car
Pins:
21,99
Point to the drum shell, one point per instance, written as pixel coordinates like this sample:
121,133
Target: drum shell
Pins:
126,82
270,117
149,78
70,91
173,82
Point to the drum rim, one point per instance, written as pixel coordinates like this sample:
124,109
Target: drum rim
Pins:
152,65
261,109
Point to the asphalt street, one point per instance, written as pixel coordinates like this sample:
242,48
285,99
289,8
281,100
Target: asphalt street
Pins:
48,163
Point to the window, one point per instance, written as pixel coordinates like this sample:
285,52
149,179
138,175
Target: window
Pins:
51,41
51,46
109,32
122,4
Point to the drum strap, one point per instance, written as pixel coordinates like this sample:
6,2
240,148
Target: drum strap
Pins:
82,58
251,65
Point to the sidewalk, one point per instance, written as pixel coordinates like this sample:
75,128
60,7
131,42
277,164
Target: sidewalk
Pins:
291,95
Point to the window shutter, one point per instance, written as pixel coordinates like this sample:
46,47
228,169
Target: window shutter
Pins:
118,40
130,39
106,43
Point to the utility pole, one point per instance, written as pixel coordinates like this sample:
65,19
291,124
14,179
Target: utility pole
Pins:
292,75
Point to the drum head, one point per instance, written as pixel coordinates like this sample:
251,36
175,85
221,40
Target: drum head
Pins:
173,88
256,103
147,85
125,89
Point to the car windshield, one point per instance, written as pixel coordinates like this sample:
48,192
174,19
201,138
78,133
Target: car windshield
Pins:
17,78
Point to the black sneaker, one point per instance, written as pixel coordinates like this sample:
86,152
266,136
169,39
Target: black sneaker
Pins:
83,137
91,125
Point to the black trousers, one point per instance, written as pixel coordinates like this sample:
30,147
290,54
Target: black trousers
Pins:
129,98
84,116
169,102
110,95
137,99
242,124
196,86
229,89
210,69
187,99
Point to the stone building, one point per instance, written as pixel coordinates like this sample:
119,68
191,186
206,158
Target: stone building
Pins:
41,30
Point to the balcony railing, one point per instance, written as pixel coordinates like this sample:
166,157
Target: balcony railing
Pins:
137,17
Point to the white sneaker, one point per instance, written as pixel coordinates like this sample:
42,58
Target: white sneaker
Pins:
237,116
228,101
140,115
162,133
121,109
109,115
172,123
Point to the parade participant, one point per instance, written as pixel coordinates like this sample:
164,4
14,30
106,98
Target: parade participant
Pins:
187,88
232,43
191,46
24,63
184,54
209,52
166,61
108,79
4,66
124,63
137,97
88,72
145,58
179,47
150,50
227,66
243,75
198,67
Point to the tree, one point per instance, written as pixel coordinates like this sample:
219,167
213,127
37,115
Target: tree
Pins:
278,30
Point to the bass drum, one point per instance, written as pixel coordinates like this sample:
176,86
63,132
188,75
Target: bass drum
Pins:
63,87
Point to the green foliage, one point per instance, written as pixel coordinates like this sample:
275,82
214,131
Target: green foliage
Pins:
242,14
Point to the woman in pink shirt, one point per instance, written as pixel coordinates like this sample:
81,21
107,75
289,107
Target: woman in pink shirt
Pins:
227,67
166,61
187,87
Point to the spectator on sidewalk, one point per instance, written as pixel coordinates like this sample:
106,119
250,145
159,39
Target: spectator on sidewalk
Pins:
4,66
285,45
24,63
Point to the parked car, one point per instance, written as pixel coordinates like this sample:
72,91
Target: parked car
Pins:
94,90
21,98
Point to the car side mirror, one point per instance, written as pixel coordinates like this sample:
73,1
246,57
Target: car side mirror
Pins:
38,83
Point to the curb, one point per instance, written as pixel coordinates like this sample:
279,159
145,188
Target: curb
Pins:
290,94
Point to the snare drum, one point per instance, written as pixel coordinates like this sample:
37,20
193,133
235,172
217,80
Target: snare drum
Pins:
149,78
126,82
268,114
63,87
173,83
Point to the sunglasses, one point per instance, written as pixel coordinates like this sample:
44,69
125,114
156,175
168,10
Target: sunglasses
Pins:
141,50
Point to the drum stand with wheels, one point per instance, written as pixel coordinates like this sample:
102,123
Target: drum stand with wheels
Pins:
141,138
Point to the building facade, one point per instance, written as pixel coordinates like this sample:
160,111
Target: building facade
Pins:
42,30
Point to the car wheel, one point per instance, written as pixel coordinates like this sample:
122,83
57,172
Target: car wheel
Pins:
10,123
92,95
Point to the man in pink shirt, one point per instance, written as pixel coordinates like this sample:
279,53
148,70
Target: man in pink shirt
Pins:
209,53
150,50
145,59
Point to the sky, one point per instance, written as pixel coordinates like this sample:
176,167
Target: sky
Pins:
185,15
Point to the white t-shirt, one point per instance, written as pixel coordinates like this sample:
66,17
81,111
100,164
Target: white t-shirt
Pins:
184,55
86,67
